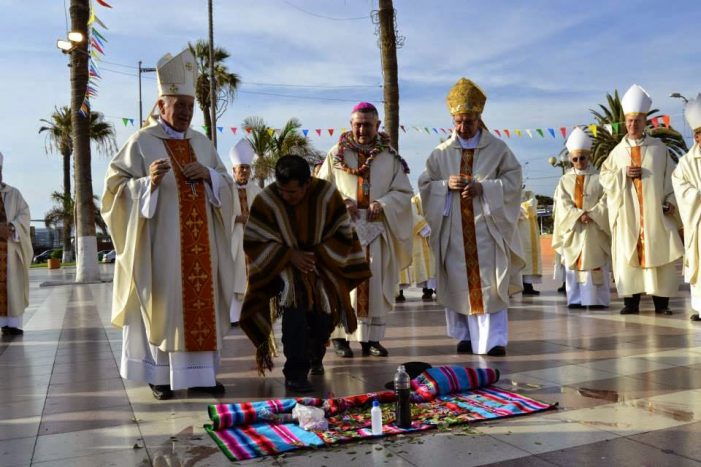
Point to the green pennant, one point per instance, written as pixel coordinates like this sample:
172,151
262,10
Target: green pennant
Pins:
206,129
125,121
540,132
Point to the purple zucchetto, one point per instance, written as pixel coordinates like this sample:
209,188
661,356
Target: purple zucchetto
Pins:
364,107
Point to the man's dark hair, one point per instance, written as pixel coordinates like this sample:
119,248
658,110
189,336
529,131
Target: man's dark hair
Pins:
292,167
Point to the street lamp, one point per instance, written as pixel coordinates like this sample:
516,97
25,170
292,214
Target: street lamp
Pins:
69,45
563,162
676,95
141,111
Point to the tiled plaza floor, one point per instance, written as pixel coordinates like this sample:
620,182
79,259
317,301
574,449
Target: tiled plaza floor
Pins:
629,389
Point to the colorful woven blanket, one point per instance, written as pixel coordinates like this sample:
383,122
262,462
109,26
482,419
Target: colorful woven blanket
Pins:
442,396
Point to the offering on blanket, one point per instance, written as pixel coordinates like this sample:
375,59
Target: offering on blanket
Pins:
310,418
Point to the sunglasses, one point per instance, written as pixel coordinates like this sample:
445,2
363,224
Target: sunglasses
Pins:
580,158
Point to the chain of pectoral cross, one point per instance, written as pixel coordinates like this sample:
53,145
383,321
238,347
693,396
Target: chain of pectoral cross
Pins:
190,183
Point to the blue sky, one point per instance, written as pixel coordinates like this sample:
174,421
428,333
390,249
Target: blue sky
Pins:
543,64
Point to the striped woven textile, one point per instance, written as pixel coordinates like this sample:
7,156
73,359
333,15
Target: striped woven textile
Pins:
256,429
441,380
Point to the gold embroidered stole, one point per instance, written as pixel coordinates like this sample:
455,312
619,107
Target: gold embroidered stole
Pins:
533,231
243,199
636,159
362,292
199,315
579,203
3,263
469,237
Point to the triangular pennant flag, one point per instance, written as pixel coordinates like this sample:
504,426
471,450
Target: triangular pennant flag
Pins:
330,131
507,133
427,130
96,33
271,132
96,46
131,120
497,132
592,128
234,129
435,131
103,3
654,121
97,39
125,121
91,19
563,130
305,131
529,133
608,128
540,132
402,127
518,132
443,130
318,131
343,130
248,130
615,127
552,132
667,120
205,128
97,20
220,129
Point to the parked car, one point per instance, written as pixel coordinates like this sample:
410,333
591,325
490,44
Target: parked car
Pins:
101,254
42,257
109,257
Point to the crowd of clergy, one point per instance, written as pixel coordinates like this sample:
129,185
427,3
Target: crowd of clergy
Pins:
200,250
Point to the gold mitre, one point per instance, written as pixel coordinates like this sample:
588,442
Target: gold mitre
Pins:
466,97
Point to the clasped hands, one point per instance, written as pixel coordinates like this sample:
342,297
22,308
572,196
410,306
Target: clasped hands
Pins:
305,261
469,188
193,171
374,210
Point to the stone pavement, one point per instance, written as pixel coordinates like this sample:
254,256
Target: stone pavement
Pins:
629,389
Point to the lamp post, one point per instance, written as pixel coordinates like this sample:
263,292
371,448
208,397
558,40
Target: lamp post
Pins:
562,162
676,95
141,111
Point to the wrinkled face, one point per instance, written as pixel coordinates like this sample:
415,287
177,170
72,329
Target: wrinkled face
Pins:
177,111
466,125
364,127
242,173
697,138
580,159
635,125
292,192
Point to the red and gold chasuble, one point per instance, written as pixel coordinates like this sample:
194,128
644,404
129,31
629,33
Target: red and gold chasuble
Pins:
579,203
3,263
636,159
199,315
469,237
362,293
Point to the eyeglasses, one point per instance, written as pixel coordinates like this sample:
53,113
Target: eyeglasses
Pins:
580,158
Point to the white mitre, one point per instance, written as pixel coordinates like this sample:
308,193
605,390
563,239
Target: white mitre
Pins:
177,75
578,141
692,112
242,153
636,101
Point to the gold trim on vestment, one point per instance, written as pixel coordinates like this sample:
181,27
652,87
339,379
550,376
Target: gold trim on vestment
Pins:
469,236
636,161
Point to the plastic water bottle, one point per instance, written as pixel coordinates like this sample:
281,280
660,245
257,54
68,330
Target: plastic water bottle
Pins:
402,389
376,417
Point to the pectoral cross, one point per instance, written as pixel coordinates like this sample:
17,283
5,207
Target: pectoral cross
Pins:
193,187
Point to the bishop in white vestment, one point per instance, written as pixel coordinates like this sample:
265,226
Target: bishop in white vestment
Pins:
169,206
530,242
470,192
645,241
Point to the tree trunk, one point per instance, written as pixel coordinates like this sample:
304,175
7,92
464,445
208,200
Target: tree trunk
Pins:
388,44
67,212
86,244
212,81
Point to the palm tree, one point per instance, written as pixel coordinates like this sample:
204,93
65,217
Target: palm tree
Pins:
269,145
226,82
58,130
388,53
63,211
612,116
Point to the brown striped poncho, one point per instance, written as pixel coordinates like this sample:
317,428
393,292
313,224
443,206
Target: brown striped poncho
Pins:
319,223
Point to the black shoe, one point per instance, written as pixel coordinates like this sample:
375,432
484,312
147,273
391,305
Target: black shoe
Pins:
8,331
301,386
497,351
400,297
629,311
598,307
427,295
665,311
235,324
464,347
562,288
695,317
316,369
161,392
575,306
215,390
342,348
529,290
373,348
